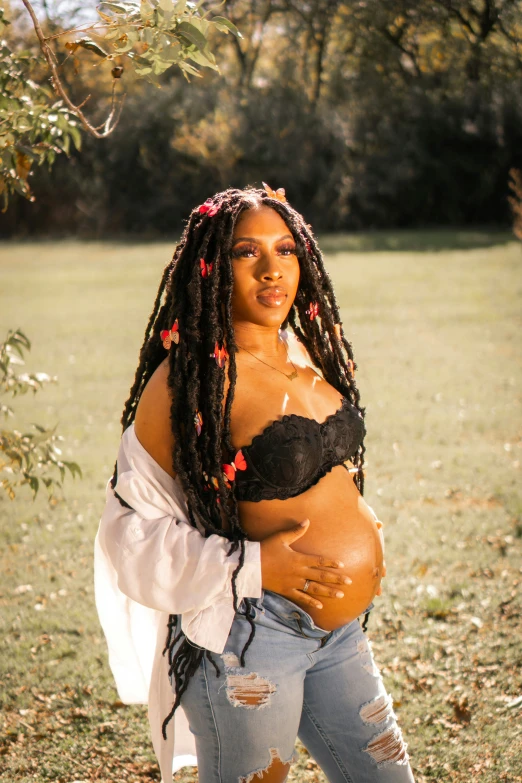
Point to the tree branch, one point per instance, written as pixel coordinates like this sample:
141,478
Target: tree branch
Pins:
466,24
396,41
507,33
114,115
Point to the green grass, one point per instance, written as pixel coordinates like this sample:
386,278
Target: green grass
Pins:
435,319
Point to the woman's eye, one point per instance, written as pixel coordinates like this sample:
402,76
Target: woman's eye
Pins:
242,252
249,252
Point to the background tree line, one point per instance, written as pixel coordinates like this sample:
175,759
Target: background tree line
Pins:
396,113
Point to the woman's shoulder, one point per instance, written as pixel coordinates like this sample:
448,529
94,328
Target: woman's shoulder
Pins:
152,424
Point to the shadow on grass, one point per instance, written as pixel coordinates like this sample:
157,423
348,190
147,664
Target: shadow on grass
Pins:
429,240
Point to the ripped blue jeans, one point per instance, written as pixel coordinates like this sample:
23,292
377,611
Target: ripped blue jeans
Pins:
298,681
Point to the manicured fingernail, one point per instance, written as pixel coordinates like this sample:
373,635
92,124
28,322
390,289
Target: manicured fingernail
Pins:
319,606
340,565
339,594
347,580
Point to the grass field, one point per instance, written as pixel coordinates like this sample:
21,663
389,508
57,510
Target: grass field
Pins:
435,319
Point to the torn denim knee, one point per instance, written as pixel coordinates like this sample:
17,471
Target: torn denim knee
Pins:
274,758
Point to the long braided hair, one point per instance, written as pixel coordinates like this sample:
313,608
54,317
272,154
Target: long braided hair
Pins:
199,298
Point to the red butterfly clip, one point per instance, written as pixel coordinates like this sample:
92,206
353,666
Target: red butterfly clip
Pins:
206,269
198,421
209,208
238,463
220,355
171,336
313,312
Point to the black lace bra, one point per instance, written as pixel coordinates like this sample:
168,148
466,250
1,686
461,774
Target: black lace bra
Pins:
294,453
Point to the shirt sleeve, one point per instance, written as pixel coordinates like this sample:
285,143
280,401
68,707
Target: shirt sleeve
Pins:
160,560
167,565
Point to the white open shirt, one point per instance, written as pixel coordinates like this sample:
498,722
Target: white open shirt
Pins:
149,562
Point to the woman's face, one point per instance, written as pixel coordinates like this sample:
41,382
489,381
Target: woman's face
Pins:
265,266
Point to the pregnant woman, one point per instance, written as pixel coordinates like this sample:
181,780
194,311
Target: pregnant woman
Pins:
235,532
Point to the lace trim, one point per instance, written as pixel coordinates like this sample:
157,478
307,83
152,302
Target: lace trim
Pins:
289,416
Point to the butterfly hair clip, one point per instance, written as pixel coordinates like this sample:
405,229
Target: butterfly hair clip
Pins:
198,422
172,336
209,208
206,269
220,355
230,469
313,310
278,194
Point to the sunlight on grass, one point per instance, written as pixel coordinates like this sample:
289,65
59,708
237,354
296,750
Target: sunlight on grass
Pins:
435,320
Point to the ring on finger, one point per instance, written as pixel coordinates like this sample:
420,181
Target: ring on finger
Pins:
306,585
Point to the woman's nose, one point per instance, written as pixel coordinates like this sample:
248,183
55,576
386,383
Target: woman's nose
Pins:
270,267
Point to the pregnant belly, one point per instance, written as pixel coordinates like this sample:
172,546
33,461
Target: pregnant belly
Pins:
341,526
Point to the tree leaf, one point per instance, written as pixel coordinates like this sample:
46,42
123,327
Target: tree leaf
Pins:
185,66
172,53
73,468
76,136
113,33
165,10
116,8
33,483
192,34
87,43
66,144
146,11
225,25
204,58
147,35
160,66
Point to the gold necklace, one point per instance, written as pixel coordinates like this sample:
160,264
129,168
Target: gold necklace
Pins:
291,376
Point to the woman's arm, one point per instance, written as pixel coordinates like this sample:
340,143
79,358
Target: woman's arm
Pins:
161,561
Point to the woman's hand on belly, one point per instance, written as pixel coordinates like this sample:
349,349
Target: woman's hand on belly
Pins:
286,571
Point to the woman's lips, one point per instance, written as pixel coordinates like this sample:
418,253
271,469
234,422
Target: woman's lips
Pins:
274,297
